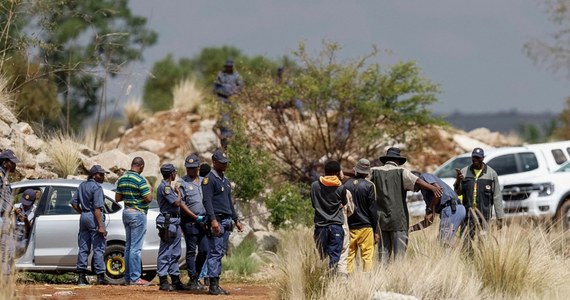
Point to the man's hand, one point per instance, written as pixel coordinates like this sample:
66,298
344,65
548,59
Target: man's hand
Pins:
376,238
500,224
102,231
239,226
429,218
437,191
216,227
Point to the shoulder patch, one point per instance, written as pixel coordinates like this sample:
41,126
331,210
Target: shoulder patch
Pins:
205,181
355,182
168,190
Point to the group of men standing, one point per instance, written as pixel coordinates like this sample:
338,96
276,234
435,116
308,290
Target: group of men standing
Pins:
380,213
197,206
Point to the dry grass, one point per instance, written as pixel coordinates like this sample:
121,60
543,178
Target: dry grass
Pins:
188,96
63,151
513,263
134,112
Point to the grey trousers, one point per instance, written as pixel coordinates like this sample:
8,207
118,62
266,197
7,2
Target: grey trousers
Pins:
392,244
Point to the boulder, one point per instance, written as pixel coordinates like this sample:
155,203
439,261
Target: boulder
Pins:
237,237
113,160
152,145
151,163
5,129
203,141
34,143
6,115
266,241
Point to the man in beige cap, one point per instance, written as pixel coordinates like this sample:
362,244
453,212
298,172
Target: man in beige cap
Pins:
363,222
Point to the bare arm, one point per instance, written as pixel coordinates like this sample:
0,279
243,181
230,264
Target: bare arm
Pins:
99,218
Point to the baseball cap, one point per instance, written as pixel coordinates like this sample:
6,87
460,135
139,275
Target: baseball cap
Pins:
478,152
28,197
166,168
192,161
220,157
229,63
97,169
9,155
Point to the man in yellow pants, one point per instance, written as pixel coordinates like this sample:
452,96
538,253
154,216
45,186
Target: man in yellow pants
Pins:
363,222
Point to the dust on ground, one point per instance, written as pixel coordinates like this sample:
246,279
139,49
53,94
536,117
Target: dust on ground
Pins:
68,291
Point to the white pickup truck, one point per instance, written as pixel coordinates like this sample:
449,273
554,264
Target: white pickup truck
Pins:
528,176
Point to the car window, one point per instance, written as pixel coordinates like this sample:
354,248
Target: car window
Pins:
448,170
564,168
559,156
111,206
504,164
528,161
59,199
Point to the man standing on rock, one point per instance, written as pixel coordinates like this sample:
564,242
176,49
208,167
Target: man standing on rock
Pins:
8,163
134,190
193,222
228,83
221,215
89,201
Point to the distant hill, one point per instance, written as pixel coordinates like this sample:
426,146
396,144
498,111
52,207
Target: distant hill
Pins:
504,122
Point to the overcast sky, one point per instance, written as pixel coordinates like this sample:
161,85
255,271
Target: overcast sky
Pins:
473,49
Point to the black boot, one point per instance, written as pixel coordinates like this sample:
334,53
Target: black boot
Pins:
177,285
101,279
164,285
82,280
194,285
215,288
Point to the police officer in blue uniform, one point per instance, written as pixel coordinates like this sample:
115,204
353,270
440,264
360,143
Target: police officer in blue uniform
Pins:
8,163
168,223
193,224
221,216
89,201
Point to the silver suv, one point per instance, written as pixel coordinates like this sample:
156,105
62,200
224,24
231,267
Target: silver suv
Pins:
52,245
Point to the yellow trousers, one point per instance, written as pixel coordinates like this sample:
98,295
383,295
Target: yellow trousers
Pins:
362,238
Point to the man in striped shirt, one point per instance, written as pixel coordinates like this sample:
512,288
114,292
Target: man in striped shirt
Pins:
133,189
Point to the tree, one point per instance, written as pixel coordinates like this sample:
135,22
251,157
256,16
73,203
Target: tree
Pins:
203,67
84,44
342,109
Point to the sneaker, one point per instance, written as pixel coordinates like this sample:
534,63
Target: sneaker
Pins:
140,281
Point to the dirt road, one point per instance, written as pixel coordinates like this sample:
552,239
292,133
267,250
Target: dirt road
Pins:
65,291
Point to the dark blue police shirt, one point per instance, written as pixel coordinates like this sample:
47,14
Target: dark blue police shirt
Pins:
448,192
166,196
89,196
217,196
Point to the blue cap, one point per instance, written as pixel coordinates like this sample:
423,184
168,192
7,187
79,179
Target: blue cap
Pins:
192,161
478,152
229,63
167,168
9,155
220,157
97,169
28,197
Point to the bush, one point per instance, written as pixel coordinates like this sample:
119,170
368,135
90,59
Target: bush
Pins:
290,205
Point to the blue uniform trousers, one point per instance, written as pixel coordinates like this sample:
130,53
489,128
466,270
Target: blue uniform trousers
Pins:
169,254
449,223
196,243
87,237
218,245
329,240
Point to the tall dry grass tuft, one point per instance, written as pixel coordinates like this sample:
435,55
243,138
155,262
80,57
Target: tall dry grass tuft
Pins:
300,272
64,154
5,97
519,261
134,112
188,96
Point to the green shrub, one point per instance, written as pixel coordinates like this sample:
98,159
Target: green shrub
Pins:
240,259
290,205
64,278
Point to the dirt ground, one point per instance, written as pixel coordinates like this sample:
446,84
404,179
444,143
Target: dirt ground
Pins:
66,291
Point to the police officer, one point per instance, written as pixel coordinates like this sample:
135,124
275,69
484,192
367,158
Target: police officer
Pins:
89,201
8,163
25,215
221,213
193,224
228,83
168,224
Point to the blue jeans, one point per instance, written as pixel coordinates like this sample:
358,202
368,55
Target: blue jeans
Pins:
329,240
87,237
135,228
449,223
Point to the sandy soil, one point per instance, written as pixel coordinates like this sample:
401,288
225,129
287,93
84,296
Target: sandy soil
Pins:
65,291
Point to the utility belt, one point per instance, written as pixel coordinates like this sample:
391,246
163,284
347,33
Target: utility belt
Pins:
171,215
452,203
220,217
167,228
